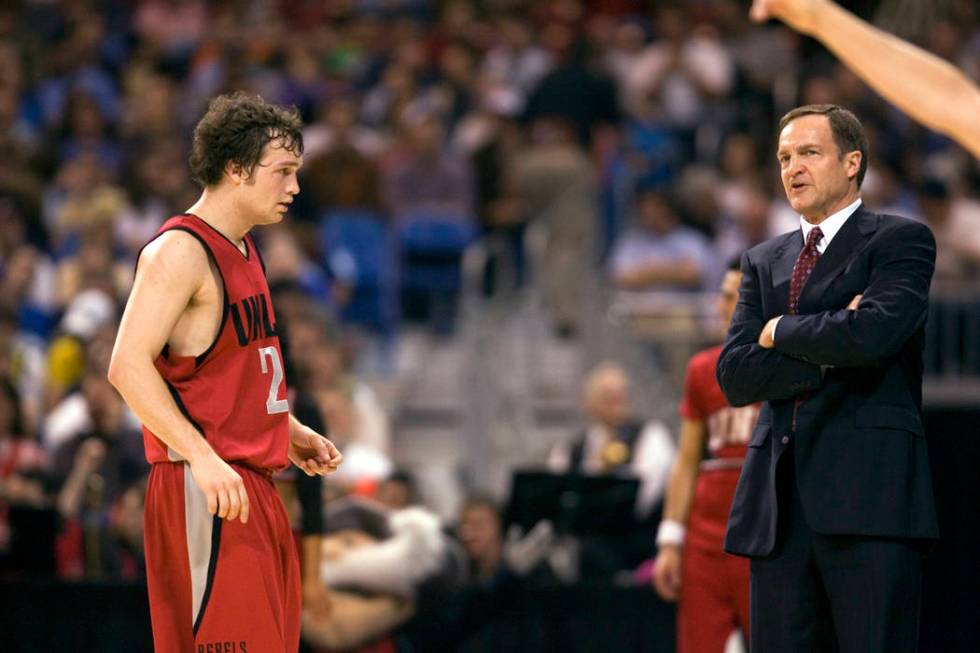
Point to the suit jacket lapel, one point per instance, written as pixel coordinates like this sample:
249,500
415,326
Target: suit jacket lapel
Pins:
781,269
844,248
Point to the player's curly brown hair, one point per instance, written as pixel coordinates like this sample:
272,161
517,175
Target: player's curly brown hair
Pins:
236,128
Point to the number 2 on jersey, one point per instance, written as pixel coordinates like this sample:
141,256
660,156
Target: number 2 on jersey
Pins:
273,405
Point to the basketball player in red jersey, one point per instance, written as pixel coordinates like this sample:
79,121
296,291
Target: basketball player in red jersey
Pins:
711,586
198,360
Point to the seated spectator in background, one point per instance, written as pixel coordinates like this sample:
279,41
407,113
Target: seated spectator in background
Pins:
885,190
749,224
126,530
739,165
397,491
90,473
480,530
22,467
336,129
341,170
516,59
86,320
27,275
77,181
660,253
395,89
424,177
955,222
93,267
28,308
358,417
480,575
285,263
85,130
366,465
20,176
376,562
456,92
677,76
87,223
157,182
408,549
149,120
616,441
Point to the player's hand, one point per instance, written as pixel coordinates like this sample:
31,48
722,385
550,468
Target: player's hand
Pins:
312,452
801,15
222,486
667,572
853,306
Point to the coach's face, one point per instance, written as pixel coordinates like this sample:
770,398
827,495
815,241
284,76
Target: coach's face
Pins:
818,178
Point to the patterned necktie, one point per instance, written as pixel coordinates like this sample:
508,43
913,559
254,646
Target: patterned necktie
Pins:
803,267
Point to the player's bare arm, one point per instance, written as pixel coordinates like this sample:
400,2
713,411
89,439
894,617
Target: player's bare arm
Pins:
926,87
310,451
176,301
677,505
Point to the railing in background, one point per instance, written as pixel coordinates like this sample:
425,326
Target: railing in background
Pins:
681,323
952,355
677,324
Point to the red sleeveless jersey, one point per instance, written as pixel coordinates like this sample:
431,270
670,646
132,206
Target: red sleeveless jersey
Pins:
234,393
729,428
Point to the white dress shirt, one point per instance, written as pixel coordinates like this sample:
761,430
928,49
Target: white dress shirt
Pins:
830,225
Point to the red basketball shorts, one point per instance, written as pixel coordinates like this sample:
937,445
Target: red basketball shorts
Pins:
714,597
219,586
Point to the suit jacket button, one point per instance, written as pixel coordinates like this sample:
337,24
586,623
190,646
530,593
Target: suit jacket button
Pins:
785,439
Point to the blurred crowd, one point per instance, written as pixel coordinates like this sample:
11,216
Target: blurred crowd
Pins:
638,136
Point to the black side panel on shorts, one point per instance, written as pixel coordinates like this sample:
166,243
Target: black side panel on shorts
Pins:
212,567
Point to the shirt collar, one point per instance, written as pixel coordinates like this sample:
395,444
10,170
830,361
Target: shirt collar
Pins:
830,225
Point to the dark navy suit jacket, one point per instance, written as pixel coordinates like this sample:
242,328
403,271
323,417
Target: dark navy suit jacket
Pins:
859,446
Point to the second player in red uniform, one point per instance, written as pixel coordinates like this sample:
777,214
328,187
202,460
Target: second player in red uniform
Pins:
710,586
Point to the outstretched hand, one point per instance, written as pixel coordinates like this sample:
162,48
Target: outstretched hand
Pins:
312,452
801,15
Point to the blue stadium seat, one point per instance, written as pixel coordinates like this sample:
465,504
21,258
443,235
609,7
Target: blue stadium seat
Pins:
430,255
431,250
356,246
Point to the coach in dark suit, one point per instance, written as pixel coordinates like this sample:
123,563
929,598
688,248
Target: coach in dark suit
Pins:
834,505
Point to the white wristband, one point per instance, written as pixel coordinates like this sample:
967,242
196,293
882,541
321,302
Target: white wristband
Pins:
670,532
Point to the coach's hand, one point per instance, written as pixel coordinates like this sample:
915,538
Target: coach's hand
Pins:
667,572
768,334
312,452
222,486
